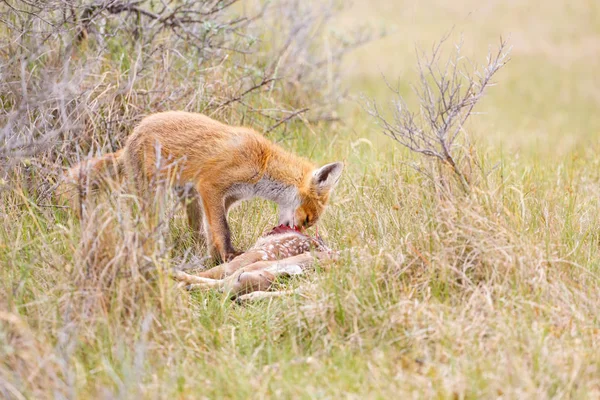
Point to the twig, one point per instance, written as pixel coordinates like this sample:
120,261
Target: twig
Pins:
286,119
239,97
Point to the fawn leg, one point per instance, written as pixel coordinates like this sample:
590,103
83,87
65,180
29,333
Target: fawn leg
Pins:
260,275
184,277
260,295
223,270
229,268
240,282
257,276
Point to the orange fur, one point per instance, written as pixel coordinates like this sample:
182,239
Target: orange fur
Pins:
224,164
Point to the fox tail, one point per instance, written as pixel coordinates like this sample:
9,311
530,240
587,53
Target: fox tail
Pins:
88,176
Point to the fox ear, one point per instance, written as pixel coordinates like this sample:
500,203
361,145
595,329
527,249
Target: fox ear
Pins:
326,177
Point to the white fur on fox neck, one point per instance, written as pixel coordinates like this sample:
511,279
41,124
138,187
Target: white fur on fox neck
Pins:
285,195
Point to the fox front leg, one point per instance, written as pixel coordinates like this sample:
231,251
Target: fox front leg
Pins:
216,226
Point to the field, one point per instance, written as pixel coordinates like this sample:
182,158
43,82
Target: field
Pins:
439,292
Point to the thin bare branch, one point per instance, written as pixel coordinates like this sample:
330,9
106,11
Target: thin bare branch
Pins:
448,91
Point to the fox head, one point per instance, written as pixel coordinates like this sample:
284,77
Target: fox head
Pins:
313,198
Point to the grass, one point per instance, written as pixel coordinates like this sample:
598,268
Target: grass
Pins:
494,294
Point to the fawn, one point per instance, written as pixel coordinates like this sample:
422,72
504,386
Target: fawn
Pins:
284,251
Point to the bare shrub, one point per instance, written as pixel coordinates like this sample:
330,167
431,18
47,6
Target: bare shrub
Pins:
76,76
448,91
306,52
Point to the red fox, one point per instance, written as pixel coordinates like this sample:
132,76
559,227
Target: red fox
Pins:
223,164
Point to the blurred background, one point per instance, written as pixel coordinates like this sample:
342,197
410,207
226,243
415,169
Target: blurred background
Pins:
547,101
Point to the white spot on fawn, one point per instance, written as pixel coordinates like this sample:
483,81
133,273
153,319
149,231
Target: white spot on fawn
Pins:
293,269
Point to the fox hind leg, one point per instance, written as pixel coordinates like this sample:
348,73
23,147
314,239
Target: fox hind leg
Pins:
190,198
